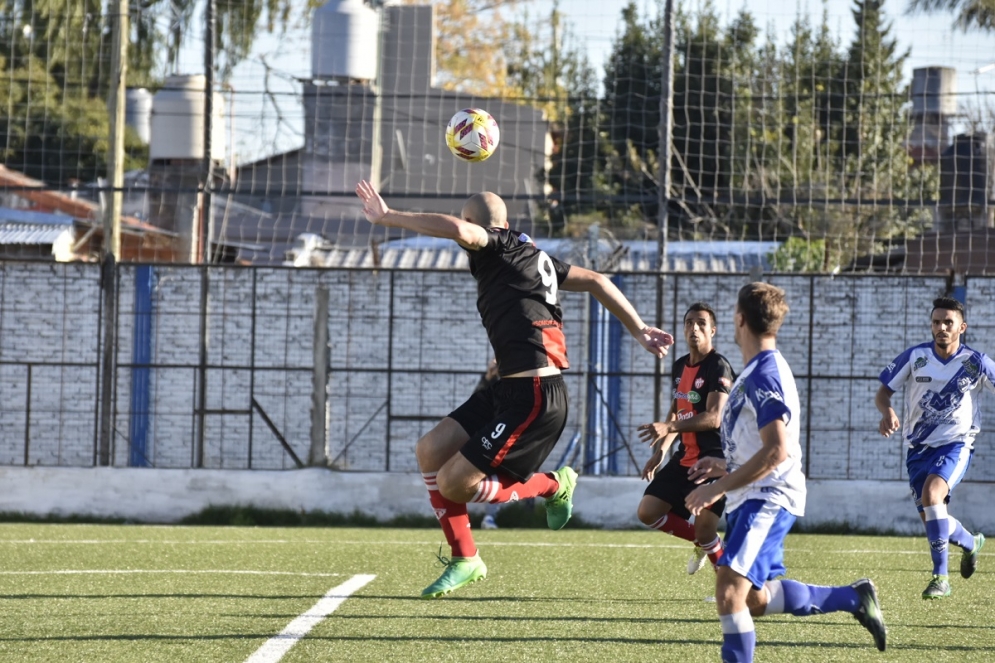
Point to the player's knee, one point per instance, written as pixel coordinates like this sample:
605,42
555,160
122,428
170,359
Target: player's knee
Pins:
650,510
455,488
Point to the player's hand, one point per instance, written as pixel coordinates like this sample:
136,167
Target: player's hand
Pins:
656,341
651,466
889,423
706,468
702,497
374,208
654,432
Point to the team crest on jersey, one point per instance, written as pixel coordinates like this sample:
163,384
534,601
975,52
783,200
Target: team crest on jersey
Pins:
920,362
699,383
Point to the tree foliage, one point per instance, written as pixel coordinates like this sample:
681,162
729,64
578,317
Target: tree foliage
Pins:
979,14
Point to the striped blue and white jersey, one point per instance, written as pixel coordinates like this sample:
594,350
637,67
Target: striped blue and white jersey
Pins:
764,392
942,397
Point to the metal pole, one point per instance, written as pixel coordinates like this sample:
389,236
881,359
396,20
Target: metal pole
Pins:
112,225
207,217
319,388
666,131
206,227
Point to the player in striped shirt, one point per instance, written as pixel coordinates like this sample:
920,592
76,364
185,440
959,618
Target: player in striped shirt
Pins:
764,486
490,448
943,381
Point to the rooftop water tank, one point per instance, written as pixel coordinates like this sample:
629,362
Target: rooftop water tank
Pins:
344,38
178,121
934,91
138,112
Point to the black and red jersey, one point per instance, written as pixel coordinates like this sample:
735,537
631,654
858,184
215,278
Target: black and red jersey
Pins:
692,385
517,297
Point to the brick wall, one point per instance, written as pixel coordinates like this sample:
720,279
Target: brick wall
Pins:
409,344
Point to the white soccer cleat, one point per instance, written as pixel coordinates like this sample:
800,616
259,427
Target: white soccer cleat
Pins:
697,561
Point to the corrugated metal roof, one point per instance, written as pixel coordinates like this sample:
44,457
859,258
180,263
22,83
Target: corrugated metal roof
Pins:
684,256
30,233
34,217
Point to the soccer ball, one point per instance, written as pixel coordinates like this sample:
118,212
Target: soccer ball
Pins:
472,135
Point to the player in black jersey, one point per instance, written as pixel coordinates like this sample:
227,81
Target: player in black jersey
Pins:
490,447
702,379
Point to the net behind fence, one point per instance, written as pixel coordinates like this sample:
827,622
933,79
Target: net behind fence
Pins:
851,137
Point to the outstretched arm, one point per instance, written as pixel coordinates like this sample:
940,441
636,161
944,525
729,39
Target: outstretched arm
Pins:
600,286
466,234
774,438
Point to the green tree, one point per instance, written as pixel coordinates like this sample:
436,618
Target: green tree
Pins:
978,14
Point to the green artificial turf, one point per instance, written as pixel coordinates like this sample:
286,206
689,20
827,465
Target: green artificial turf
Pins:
160,593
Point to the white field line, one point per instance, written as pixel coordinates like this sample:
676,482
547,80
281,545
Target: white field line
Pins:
485,543
72,572
274,648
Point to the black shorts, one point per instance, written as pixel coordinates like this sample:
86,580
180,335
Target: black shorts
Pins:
671,484
514,424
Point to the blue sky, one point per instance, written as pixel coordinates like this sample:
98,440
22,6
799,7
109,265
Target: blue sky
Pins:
268,125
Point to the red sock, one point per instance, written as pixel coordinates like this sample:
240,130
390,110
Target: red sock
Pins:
453,519
497,489
672,524
714,550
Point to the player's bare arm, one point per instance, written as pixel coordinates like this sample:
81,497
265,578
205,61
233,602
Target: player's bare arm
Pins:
773,452
707,467
579,279
655,433
466,234
889,420
703,421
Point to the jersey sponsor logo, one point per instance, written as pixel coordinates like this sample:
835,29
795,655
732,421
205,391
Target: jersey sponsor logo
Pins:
699,383
681,416
937,407
514,496
920,362
923,378
890,367
766,395
691,396
971,368
485,443
439,513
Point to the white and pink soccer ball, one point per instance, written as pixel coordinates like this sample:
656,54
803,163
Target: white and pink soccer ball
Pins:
472,135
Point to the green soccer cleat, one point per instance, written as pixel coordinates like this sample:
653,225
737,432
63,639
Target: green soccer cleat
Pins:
460,571
869,612
969,558
938,588
560,506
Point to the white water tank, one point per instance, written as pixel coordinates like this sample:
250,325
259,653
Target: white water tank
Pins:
178,121
934,91
138,112
344,36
